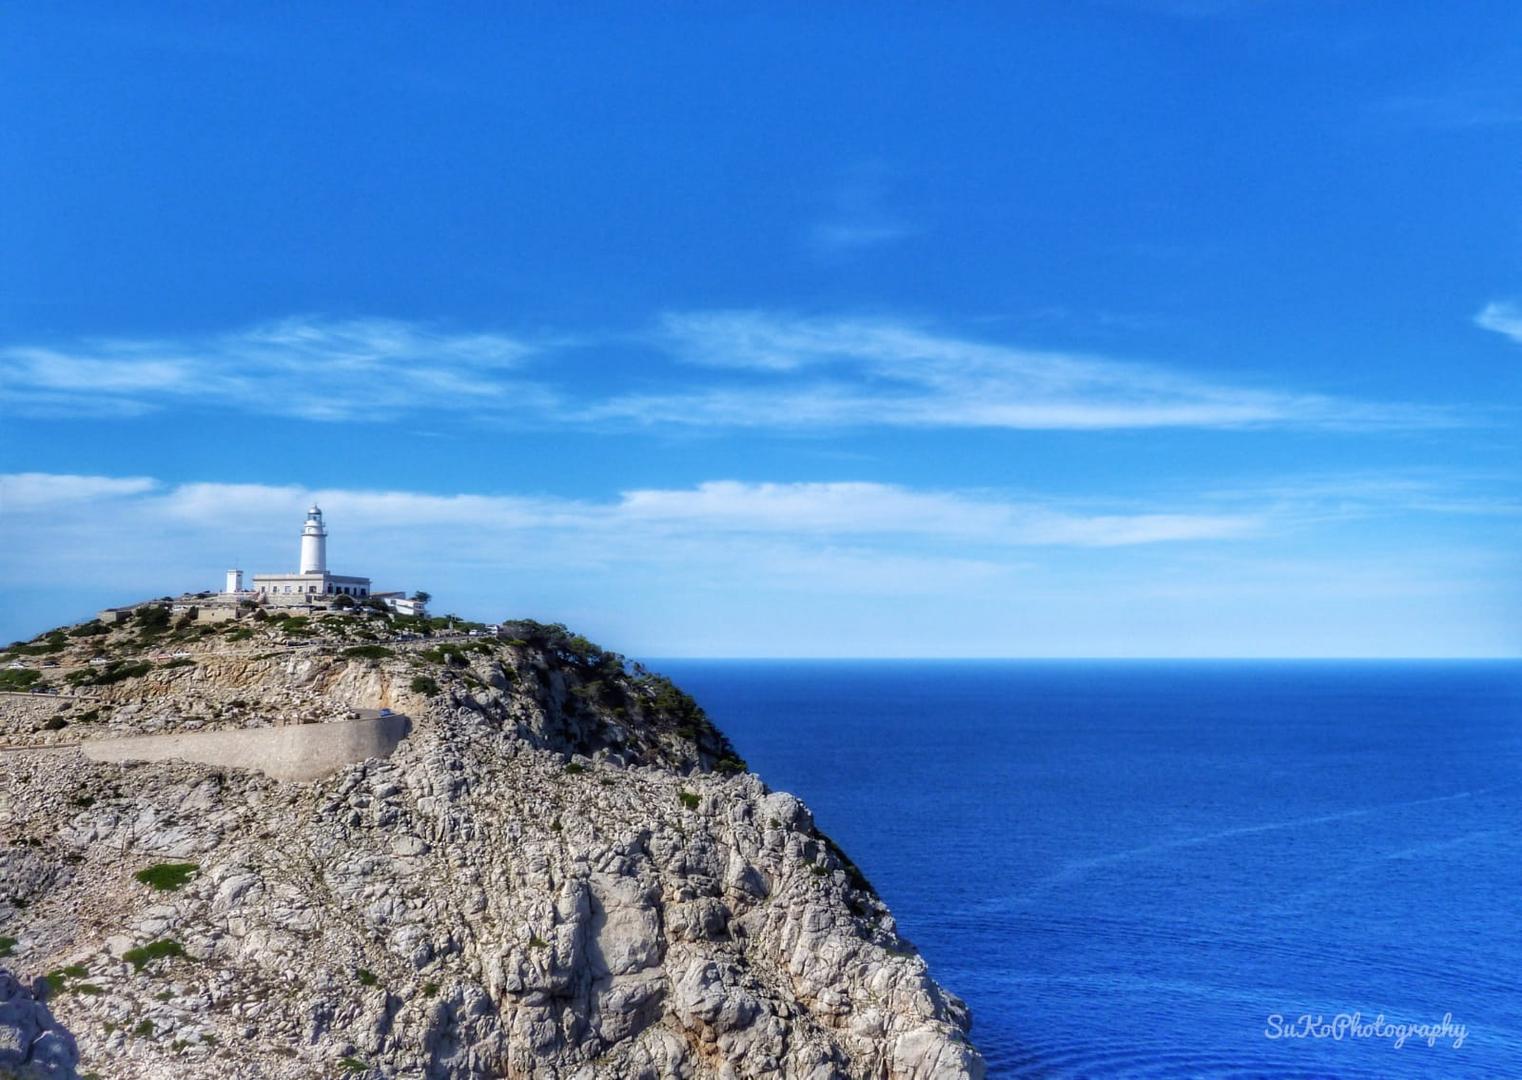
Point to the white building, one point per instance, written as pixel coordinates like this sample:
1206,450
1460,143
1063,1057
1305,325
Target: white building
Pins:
402,604
311,583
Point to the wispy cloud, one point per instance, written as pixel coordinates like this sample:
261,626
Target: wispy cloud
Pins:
708,370
33,491
308,367
1502,316
836,237
813,372
732,568
815,513
1456,109
859,216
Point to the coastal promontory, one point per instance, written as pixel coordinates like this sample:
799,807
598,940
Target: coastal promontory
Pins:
362,843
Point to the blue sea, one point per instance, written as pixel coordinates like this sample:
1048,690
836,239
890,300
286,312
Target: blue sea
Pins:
1128,869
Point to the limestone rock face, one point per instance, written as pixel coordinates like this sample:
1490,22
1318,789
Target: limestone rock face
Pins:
563,871
32,1045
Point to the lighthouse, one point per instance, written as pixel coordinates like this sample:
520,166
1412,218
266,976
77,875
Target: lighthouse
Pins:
312,583
314,544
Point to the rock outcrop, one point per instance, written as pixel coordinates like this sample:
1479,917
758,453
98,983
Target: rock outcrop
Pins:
563,870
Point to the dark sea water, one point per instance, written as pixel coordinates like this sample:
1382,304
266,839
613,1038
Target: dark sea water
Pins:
1126,868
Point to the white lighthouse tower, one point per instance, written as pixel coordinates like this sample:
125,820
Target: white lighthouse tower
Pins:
312,584
314,544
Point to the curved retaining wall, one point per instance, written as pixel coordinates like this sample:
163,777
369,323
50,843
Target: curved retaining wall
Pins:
294,752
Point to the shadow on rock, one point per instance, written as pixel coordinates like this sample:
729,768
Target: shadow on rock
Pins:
32,1044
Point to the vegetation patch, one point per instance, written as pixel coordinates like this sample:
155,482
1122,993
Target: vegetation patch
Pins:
537,942
93,628
167,877
352,1064
179,661
575,768
7,946
854,875
18,678
689,800
368,652
144,955
243,633
152,620
430,989
121,671
366,977
55,723
46,648
144,1028
58,980
423,684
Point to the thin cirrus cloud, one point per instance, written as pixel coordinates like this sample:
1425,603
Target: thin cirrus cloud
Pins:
812,372
717,371
817,518
1502,316
311,368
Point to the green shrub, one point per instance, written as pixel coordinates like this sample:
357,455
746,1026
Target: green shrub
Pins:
366,977
55,723
79,677
430,989
167,877
121,671
7,946
179,661
93,628
368,652
575,768
144,1028
46,648
424,685
689,800
243,633
352,1064
154,950
59,980
152,620
537,942
18,678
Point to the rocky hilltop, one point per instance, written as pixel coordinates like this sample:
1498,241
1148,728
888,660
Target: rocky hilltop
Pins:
562,870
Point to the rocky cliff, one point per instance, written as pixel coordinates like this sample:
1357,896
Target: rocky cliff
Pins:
564,870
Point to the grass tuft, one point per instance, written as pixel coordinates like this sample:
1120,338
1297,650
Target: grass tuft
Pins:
144,955
167,877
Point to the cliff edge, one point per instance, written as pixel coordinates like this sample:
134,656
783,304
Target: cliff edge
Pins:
562,869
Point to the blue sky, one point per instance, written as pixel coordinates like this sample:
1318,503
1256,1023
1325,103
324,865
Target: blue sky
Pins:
1149,328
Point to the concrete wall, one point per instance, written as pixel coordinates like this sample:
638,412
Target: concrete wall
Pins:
295,752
